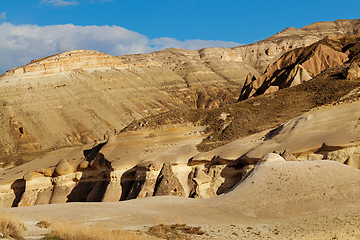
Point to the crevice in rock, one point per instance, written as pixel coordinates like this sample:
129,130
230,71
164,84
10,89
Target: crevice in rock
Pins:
19,188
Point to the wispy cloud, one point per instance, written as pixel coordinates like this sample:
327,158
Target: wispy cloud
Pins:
19,44
165,42
59,3
65,3
3,16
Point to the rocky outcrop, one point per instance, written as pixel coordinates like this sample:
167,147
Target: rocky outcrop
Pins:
265,52
302,64
144,181
204,182
167,183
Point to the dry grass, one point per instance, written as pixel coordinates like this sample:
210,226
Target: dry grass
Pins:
65,231
11,228
175,231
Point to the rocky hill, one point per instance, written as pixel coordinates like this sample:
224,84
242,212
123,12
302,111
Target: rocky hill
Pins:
77,97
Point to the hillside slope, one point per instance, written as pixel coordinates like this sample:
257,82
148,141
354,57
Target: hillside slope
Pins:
77,97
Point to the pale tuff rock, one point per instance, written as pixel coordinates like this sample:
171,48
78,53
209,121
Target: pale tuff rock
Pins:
35,191
64,168
84,164
326,133
233,174
205,182
171,78
324,57
63,185
265,52
114,190
167,183
272,89
347,155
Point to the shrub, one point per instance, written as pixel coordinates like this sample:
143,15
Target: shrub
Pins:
175,231
10,228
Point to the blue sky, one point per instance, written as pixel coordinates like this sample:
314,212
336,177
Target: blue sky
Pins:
35,28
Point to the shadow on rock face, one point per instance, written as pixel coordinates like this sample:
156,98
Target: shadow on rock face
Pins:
91,187
127,183
19,188
95,178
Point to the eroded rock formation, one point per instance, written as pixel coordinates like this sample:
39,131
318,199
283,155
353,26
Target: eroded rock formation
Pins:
167,183
302,64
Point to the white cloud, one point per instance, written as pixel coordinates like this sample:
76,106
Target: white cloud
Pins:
2,15
161,43
59,3
65,3
19,44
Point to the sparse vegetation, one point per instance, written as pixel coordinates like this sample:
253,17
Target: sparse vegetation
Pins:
43,224
256,114
64,231
11,228
174,231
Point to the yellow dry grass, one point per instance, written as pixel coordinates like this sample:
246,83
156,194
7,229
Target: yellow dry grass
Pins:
10,227
68,231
